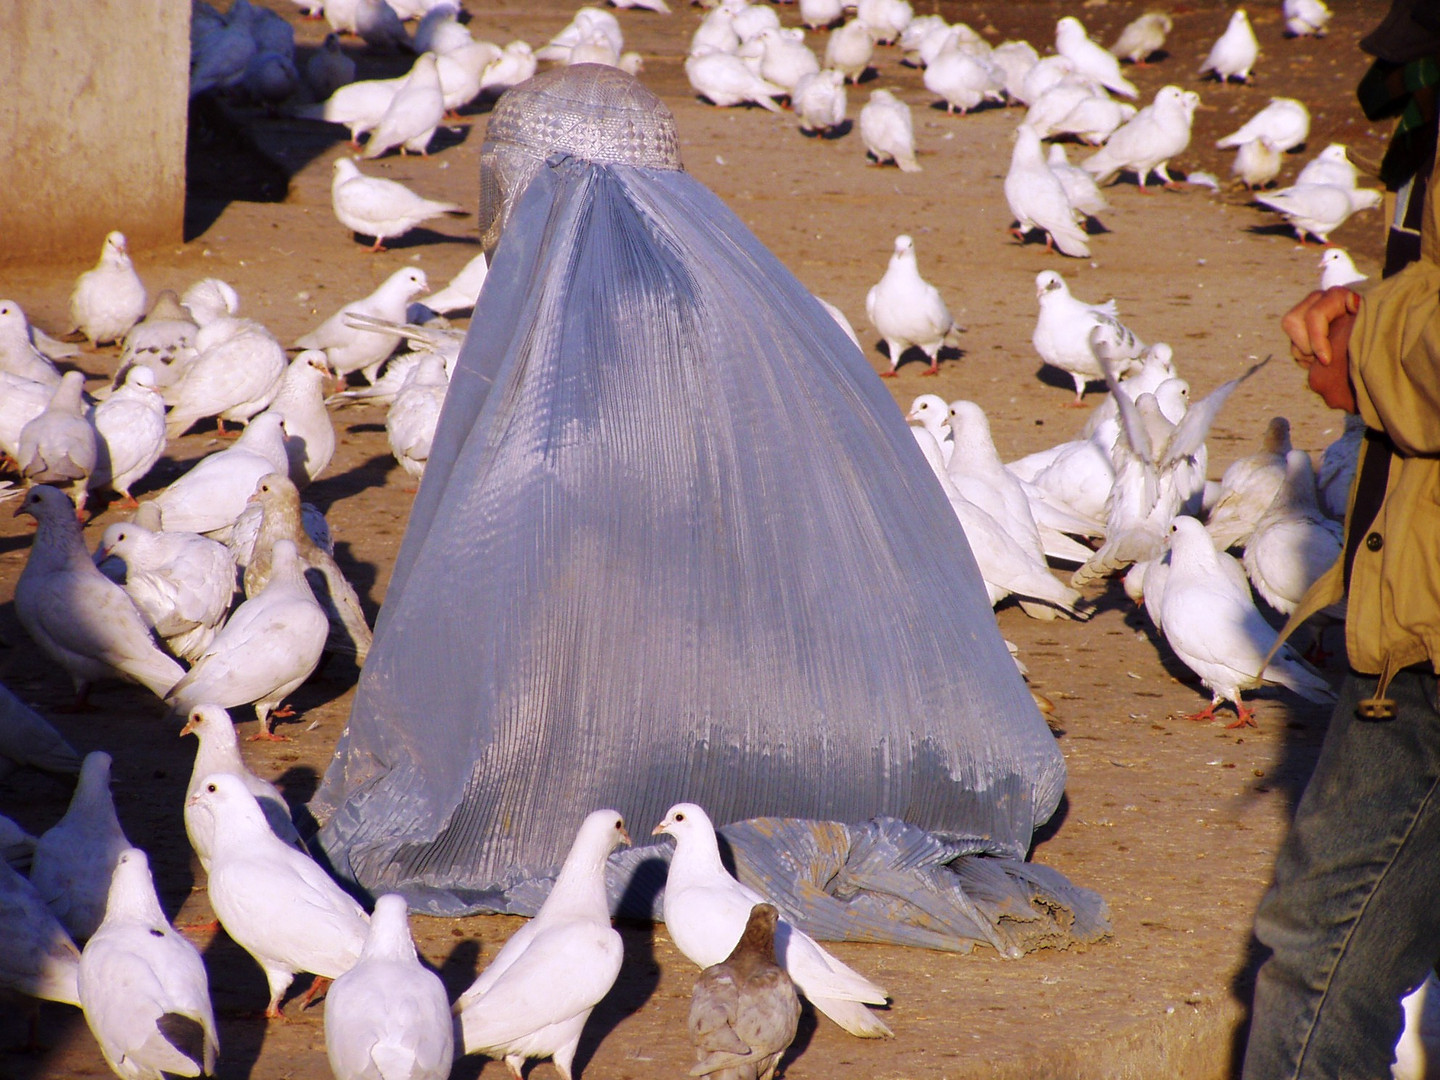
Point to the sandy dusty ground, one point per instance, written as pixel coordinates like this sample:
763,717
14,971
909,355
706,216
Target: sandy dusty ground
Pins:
1174,822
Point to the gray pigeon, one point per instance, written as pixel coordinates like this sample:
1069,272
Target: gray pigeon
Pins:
744,1010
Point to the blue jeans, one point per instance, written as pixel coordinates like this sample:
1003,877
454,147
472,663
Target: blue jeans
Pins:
1353,917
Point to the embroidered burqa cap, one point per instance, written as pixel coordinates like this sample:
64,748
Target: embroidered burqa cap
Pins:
675,542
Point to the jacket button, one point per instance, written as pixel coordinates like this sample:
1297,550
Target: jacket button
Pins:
1374,541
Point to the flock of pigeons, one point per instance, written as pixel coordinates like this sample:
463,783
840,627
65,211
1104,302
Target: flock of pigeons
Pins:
144,989
156,602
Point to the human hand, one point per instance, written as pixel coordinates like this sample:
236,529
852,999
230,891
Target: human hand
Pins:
1319,330
1307,324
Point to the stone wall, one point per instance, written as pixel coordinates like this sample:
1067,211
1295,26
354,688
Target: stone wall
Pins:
92,125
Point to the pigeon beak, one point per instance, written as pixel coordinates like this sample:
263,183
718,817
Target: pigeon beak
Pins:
625,836
658,829
189,728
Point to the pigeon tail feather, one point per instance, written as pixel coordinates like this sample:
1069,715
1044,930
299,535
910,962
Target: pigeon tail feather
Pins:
853,1016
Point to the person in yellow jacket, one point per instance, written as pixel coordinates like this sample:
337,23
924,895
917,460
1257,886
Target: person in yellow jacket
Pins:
1352,920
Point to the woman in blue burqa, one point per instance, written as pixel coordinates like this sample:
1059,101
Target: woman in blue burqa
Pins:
675,543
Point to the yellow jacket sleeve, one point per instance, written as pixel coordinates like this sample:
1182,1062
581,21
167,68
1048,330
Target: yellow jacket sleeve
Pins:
1395,358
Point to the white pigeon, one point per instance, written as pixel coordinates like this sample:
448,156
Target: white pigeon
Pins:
515,64
359,106
1337,467
1037,198
130,433
18,354
28,741
109,299
17,847
980,476
716,32
1248,487
817,14
1094,118
1257,162
1005,567
1212,625
267,648
219,752
59,447
1014,59
1044,74
585,21
932,412
1089,58
887,130
1318,209
534,998
706,910
1338,268
726,80
388,1018
907,310
1149,140
75,857
21,400
349,348
888,18
1285,121
752,20
410,423
37,956
212,494
414,112
181,582
1077,475
329,68
1234,52
462,73
373,206
849,50
1080,188
1294,543
929,32
300,403
1305,17
1331,166
819,101
442,341
1142,38
234,379
143,987
1063,328
1158,465
1049,110
785,61
78,617
462,291
275,903
209,300
961,81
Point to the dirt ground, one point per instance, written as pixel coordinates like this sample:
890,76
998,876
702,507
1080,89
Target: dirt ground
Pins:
1175,823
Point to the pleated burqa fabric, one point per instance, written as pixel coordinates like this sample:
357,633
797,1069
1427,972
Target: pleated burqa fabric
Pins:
674,543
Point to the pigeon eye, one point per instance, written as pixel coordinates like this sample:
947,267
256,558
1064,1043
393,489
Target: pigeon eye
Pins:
679,817
211,787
